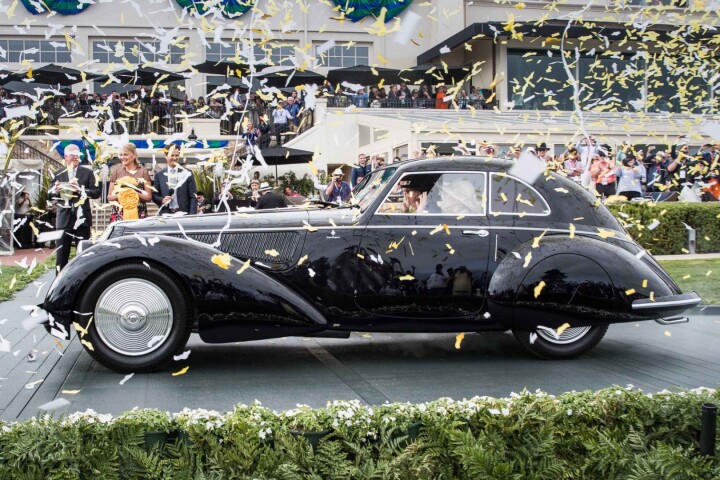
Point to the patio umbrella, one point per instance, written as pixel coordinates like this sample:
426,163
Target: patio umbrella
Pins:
297,77
219,68
52,74
285,156
144,76
363,75
6,76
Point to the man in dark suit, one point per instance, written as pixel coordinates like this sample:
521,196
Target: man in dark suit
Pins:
175,186
72,186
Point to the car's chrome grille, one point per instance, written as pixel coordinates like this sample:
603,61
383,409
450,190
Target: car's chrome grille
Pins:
253,245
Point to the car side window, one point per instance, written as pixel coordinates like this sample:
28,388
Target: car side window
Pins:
510,196
437,194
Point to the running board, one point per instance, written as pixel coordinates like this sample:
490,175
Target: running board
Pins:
672,320
329,334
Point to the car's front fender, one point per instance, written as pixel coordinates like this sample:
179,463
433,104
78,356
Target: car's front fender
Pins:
232,304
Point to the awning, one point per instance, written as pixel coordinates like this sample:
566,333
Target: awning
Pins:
547,29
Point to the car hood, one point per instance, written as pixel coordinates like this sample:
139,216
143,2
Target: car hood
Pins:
279,219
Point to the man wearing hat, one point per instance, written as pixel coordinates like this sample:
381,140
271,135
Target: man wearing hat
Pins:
252,197
269,199
175,186
72,186
657,173
338,188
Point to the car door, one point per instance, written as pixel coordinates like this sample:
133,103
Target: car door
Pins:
430,222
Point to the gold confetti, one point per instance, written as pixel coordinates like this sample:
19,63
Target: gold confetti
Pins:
181,372
630,292
668,334
434,230
644,283
458,340
536,240
222,260
528,257
272,252
539,288
562,328
70,392
360,256
652,296
406,278
88,345
302,260
605,233
708,273
685,277
245,266
450,249
572,231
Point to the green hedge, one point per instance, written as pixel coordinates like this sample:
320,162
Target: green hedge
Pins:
616,433
671,236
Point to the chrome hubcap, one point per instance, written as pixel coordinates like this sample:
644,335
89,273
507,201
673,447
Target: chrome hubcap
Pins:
569,335
133,317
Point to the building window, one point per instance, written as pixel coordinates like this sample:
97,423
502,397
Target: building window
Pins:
651,83
42,51
340,56
112,51
274,54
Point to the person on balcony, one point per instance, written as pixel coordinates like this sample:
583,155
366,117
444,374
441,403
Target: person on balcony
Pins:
281,119
251,137
294,110
360,99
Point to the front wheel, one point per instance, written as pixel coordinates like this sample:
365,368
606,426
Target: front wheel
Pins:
572,342
140,317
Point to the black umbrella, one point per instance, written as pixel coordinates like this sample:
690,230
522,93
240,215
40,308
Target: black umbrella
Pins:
285,156
52,74
144,76
6,76
363,75
280,79
222,68
433,74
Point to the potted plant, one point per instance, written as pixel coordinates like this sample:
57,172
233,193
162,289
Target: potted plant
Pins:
155,424
311,424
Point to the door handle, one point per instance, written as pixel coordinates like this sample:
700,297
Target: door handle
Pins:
479,233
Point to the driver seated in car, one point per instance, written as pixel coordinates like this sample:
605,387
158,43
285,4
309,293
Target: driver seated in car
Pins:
458,197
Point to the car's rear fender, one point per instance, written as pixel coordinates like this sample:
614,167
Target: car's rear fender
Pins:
580,281
232,304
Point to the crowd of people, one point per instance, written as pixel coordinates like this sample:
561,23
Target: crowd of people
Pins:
636,173
138,112
403,95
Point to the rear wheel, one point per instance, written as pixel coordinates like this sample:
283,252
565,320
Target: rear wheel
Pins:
140,318
572,342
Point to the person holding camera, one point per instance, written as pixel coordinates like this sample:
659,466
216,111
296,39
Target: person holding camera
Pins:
23,204
338,190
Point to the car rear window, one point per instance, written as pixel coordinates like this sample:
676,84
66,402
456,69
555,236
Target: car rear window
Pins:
510,196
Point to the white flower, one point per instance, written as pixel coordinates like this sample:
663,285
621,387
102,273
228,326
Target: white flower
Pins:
494,411
569,411
506,411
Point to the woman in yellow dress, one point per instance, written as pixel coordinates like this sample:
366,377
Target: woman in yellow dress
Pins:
129,186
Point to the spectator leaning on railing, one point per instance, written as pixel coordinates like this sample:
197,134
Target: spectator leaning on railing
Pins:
281,119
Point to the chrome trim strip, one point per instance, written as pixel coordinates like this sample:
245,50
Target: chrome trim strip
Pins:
646,304
379,227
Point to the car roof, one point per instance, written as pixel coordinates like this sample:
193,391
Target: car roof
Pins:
454,163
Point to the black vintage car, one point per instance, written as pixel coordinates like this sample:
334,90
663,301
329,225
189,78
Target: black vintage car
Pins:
431,245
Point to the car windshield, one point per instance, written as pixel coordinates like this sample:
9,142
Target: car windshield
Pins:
369,189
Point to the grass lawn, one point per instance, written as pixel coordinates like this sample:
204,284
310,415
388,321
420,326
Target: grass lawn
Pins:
707,286
8,286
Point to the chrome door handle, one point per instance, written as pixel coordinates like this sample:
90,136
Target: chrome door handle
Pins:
479,233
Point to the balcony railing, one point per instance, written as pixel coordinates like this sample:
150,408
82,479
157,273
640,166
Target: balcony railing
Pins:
344,101
169,119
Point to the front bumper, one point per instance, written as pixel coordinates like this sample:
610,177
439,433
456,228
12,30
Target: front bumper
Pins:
667,305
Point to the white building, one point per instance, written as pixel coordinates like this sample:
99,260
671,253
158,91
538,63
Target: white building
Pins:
551,72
